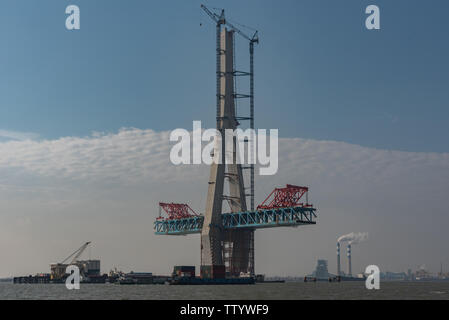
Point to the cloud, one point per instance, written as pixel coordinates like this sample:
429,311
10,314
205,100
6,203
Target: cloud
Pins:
7,135
105,188
132,155
127,156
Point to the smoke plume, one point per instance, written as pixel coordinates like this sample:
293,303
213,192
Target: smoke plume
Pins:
353,237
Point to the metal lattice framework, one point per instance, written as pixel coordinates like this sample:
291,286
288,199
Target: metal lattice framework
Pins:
267,218
176,211
286,197
179,226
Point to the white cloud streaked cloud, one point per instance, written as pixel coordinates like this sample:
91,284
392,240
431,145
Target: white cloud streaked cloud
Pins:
7,135
105,188
127,156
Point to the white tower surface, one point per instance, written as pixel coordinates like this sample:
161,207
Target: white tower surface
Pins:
213,237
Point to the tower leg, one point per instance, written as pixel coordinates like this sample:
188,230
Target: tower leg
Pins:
231,249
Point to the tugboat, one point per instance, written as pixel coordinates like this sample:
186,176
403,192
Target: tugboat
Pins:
136,278
125,280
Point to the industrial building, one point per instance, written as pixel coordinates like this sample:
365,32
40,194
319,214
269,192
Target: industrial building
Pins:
321,273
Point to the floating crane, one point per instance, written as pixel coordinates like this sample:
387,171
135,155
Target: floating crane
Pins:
58,269
76,254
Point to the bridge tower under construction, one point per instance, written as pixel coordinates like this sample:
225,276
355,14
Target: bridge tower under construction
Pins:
231,250
227,238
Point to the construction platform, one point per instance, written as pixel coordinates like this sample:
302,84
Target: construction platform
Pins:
265,218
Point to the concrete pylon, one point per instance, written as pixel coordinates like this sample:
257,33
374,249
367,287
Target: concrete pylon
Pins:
213,237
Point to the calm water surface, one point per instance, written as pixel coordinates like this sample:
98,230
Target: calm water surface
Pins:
291,290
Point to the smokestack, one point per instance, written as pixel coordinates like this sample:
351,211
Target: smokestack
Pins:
338,260
350,238
349,260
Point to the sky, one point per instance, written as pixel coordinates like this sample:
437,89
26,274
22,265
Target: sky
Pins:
85,117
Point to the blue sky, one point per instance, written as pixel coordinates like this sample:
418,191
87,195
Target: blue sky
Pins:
149,64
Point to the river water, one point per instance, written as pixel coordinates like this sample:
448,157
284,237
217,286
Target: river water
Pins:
282,291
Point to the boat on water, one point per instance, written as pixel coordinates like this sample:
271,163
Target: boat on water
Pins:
136,278
260,278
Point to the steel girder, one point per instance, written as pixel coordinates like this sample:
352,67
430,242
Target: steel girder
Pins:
269,218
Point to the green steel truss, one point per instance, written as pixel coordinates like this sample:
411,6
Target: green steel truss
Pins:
268,218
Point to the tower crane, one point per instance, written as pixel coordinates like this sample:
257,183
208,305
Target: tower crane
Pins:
238,258
221,20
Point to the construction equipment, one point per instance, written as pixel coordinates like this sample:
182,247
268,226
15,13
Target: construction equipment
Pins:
254,39
58,269
76,254
221,20
286,197
281,209
176,211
